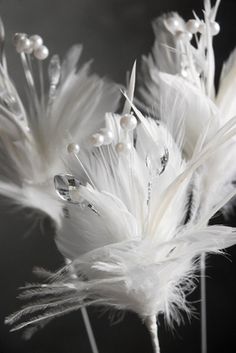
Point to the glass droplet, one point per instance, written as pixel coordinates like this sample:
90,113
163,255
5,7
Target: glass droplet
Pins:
67,187
54,70
10,102
157,165
164,160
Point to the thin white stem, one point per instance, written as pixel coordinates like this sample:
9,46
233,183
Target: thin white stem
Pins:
203,304
32,92
151,323
84,313
41,82
85,171
89,330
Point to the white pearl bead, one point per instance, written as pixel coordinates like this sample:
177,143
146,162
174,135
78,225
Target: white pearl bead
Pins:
107,135
23,44
184,36
36,40
202,27
172,24
18,36
189,36
192,26
123,148
30,49
215,28
73,148
41,53
96,140
128,122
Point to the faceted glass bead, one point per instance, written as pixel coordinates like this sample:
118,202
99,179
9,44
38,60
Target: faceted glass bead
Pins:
164,160
156,165
67,187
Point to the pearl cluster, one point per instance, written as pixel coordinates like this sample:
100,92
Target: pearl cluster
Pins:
184,31
30,45
105,136
128,122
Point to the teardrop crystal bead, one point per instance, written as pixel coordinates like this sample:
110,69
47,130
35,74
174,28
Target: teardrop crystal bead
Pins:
67,187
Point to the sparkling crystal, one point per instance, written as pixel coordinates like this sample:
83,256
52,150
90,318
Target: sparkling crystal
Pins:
164,160
67,187
54,70
10,102
156,165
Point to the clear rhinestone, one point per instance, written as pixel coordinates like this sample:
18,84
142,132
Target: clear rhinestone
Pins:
156,165
164,160
67,187
10,102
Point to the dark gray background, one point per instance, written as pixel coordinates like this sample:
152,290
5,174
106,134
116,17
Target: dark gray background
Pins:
114,33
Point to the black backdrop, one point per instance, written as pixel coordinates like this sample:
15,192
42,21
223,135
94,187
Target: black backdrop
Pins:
114,33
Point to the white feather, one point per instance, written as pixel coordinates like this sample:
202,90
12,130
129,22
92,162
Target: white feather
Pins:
128,232
33,145
225,99
126,252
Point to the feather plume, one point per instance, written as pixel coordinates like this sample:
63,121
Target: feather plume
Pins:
124,181
125,233
33,142
196,114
